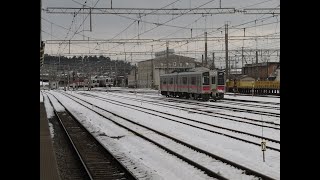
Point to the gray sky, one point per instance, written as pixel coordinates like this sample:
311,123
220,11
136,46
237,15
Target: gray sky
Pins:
107,26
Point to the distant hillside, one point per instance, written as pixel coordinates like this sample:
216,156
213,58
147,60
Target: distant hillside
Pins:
97,65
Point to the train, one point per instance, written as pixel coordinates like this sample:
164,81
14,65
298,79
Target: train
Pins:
105,81
97,81
254,87
202,84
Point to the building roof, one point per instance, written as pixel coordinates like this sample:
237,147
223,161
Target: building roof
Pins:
171,56
261,64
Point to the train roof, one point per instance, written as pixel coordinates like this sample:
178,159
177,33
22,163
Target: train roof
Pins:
183,73
198,70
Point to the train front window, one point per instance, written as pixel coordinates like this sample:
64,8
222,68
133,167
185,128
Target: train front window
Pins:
213,80
205,80
220,78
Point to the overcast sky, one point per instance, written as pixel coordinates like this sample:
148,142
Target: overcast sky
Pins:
109,26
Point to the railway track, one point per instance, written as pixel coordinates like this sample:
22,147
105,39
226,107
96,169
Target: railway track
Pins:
268,96
249,105
232,133
257,104
177,147
251,101
98,162
234,109
268,124
69,164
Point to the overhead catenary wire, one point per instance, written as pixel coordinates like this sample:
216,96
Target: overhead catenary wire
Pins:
156,45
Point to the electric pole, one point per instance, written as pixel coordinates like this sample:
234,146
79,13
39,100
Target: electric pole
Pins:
213,66
256,65
152,79
242,56
226,42
205,50
167,57
202,60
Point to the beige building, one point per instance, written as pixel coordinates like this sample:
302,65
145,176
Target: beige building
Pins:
149,71
132,78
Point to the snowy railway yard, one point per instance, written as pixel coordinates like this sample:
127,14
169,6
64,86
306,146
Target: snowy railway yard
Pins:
155,137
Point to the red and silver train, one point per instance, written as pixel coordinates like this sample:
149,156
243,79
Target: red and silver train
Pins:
203,84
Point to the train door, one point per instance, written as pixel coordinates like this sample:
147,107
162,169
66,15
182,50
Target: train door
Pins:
165,84
184,84
175,82
193,84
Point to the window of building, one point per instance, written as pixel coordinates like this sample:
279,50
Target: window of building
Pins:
174,64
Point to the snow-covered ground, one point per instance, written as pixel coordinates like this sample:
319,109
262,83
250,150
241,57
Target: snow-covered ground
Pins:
155,163
49,112
142,98
41,97
253,98
274,134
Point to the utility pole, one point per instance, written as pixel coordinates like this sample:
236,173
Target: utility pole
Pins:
116,72
242,57
202,60
205,50
226,42
90,21
167,57
135,76
256,65
152,66
213,66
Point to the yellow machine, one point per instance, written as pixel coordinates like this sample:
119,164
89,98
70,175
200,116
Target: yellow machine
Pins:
256,87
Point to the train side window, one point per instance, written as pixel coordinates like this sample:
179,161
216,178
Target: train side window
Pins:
193,80
171,81
213,80
184,80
